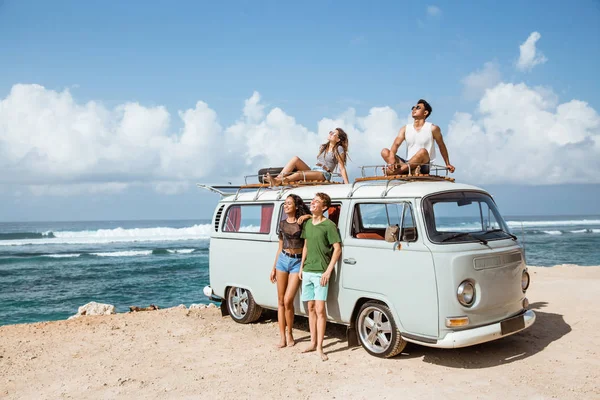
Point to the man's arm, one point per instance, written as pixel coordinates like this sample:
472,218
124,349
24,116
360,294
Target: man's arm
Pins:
398,141
337,251
437,135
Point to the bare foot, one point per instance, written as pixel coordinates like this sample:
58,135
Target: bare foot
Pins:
273,181
323,355
290,340
310,348
269,179
281,343
391,169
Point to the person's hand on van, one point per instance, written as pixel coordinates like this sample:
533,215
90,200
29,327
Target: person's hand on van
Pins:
273,276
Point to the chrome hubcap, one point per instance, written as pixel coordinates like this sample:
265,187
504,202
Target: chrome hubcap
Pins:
238,302
375,329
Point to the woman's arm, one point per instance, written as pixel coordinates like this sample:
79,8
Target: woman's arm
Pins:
342,165
302,262
273,276
303,218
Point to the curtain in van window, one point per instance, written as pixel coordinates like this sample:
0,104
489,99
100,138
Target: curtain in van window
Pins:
266,213
234,217
334,213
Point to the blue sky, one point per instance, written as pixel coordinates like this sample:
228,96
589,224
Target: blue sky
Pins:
138,67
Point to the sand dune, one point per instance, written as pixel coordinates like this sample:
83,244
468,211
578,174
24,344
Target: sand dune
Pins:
179,354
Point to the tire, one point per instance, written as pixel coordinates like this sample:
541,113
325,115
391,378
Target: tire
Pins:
377,331
241,305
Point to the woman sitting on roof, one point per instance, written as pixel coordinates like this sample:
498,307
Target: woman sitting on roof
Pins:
332,154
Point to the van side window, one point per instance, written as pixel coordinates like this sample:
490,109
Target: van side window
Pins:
333,213
249,218
409,229
370,220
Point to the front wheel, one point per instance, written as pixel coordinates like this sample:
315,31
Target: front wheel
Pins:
377,330
241,305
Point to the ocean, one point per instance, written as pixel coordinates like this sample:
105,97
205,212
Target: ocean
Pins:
49,269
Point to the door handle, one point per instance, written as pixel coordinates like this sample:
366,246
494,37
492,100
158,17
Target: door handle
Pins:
350,261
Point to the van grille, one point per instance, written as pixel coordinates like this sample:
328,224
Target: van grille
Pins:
497,261
218,218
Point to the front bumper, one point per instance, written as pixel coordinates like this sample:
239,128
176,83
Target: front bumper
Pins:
208,292
470,337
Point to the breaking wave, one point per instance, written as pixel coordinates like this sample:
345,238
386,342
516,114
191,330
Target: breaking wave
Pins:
194,232
26,235
534,224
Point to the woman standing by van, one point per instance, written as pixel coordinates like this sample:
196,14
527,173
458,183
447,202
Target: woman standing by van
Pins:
287,265
332,154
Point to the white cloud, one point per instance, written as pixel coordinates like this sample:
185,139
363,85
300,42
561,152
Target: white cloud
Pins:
476,83
53,145
434,11
529,56
523,135
77,189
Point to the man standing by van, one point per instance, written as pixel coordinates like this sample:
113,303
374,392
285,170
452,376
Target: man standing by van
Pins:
322,249
419,137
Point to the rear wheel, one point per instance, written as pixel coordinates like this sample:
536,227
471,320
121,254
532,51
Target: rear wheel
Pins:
241,305
377,331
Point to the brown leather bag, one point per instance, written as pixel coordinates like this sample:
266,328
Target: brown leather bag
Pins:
392,233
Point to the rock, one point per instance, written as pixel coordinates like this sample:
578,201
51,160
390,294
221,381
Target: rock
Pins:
197,306
182,307
93,308
151,307
211,305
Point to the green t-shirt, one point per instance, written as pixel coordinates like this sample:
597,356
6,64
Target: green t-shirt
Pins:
319,241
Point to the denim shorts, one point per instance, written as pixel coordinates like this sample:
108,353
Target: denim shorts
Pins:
326,174
288,264
311,287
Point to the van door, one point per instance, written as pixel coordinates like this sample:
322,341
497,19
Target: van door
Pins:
400,274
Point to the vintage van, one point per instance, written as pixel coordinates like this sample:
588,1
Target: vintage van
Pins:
455,277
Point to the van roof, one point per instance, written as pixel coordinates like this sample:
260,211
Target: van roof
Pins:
360,190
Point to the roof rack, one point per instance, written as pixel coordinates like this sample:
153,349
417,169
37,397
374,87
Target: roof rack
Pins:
412,175
300,182
399,179
236,190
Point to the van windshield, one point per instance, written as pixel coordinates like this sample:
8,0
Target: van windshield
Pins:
463,217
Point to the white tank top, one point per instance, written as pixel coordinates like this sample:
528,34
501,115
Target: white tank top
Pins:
417,140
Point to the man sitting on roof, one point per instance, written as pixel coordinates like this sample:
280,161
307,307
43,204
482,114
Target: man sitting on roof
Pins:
419,138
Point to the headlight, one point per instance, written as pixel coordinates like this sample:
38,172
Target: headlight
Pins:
466,293
525,280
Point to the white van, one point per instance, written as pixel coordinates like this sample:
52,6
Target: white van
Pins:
456,277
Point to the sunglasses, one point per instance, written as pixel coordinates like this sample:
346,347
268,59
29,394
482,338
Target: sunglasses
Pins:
416,108
333,133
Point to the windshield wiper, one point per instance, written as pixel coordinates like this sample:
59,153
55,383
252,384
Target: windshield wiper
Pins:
513,237
461,234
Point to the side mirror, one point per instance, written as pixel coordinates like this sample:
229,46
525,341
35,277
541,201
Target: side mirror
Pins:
409,234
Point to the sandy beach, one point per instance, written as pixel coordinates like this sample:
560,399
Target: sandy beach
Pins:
180,354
